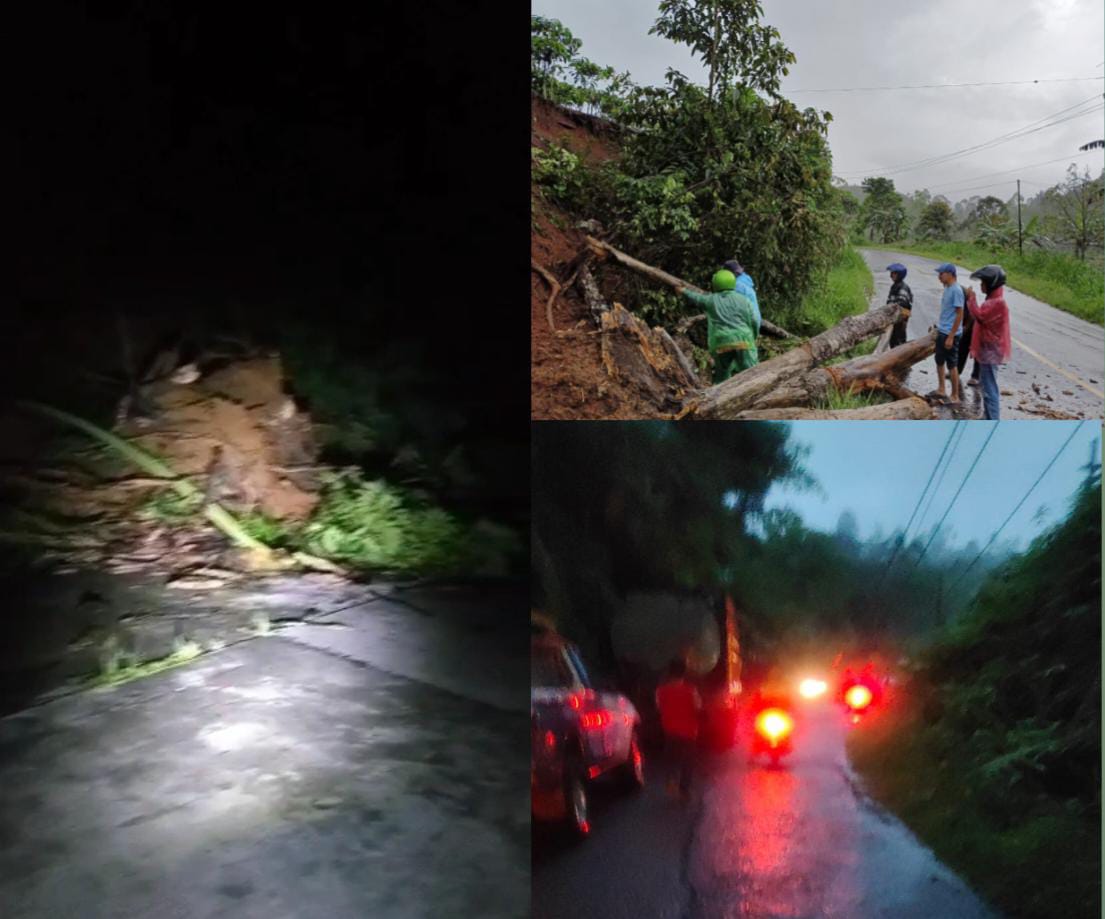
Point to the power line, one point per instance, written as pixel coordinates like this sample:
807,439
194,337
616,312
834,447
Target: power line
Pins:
987,145
940,481
879,89
1020,503
1032,127
917,506
987,175
951,503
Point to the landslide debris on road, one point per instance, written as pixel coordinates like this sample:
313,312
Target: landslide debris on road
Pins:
228,427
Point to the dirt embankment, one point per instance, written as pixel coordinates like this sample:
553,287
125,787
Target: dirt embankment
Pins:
579,371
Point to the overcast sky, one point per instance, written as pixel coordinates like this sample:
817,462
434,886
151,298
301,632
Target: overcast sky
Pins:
878,470
866,43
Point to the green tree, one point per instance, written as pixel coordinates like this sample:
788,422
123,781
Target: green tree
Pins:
883,211
560,74
729,38
937,221
988,208
1075,211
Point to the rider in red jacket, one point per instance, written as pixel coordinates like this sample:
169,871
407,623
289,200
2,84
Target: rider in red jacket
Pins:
991,342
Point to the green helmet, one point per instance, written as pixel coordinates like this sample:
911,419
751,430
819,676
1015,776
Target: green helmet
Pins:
725,280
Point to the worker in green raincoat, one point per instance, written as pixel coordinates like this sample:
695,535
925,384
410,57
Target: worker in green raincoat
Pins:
731,325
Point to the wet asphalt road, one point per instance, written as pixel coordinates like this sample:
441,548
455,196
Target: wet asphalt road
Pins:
800,842
370,763
1058,363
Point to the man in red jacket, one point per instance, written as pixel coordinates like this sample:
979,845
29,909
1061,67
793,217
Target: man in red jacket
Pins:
991,341
680,706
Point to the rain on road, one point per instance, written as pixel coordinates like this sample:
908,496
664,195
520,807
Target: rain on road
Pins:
801,841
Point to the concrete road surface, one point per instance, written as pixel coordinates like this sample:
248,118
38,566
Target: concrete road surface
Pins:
1058,363
327,770
796,842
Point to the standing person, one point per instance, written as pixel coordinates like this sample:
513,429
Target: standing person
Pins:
901,295
731,325
991,343
680,708
965,338
746,286
949,327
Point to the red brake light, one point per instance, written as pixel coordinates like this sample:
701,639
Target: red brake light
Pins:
592,720
550,740
858,697
575,701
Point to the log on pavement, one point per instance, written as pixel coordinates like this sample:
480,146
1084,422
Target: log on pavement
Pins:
883,372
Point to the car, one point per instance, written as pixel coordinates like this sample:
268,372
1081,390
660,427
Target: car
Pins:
580,734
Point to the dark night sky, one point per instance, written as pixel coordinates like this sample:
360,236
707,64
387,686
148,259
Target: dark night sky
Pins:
353,163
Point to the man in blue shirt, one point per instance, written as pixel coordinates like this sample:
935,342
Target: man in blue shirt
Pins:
746,287
949,328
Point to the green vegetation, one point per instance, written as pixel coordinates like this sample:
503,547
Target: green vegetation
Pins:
837,401
992,752
554,55
118,667
846,290
376,526
1061,280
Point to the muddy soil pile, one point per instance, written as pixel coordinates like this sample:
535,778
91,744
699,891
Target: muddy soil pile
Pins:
226,426
581,370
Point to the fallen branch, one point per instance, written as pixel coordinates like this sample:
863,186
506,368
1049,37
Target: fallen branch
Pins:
742,392
914,408
554,286
602,250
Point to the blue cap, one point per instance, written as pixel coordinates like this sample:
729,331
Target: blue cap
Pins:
948,267
897,266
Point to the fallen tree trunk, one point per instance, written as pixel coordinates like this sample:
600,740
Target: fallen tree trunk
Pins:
602,250
746,389
882,372
913,408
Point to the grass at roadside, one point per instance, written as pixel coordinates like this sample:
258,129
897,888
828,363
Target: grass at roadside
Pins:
847,290
1061,280
1045,862
991,749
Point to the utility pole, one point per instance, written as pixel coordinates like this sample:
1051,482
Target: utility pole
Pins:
1020,238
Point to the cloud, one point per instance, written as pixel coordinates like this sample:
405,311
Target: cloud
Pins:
899,42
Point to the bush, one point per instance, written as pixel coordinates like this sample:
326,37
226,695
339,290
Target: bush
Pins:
374,525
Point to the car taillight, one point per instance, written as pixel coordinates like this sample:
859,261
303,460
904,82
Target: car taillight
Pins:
593,720
575,701
550,740
774,723
858,697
